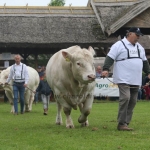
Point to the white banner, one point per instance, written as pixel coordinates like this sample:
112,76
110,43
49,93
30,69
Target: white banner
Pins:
104,87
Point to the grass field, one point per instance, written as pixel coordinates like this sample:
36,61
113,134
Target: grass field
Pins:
34,131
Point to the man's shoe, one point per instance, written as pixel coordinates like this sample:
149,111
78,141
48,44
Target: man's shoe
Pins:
124,128
45,111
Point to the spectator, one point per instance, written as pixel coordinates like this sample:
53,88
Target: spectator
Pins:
19,74
139,93
130,60
147,91
43,68
45,90
145,88
40,72
147,79
98,72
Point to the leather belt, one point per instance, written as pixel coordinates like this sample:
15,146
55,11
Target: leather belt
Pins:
19,82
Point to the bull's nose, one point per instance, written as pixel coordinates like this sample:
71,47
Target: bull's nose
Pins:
91,77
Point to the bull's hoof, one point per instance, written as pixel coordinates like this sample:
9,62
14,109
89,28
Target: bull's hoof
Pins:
82,119
58,123
85,124
70,126
27,110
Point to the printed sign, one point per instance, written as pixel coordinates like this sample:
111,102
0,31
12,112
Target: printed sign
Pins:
104,87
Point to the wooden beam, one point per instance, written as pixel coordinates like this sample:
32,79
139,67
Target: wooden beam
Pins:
128,16
112,1
98,17
141,21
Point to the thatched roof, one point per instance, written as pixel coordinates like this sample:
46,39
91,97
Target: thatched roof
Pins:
113,14
41,25
97,25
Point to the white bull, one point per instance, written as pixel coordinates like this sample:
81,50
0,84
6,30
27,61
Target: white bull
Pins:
29,94
71,75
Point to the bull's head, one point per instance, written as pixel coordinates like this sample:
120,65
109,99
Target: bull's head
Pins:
81,63
3,77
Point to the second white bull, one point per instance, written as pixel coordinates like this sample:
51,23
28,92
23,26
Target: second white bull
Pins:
32,86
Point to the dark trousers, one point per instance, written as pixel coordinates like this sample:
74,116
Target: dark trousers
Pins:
18,88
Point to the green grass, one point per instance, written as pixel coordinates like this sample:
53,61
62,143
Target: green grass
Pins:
34,131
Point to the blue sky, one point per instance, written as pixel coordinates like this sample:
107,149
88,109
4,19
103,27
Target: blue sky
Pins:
40,2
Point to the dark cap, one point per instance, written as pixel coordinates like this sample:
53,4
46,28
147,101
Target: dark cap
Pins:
39,67
135,30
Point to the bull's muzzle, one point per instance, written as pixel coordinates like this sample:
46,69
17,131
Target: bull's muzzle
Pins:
91,77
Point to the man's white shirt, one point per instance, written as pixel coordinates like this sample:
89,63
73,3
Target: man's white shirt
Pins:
127,71
18,73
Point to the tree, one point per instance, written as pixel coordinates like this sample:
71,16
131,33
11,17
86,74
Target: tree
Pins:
57,3
42,60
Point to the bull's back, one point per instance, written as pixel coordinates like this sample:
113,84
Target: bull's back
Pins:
33,78
54,69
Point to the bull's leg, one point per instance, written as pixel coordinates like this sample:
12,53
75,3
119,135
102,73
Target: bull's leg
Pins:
12,108
59,117
86,123
31,101
85,110
10,98
26,99
69,122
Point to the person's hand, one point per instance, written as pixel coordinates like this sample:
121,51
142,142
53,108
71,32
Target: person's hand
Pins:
34,92
104,74
25,85
147,84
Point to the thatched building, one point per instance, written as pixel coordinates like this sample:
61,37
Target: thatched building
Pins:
45,30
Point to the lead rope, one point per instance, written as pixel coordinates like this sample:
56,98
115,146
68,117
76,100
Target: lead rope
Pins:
116,84
12,85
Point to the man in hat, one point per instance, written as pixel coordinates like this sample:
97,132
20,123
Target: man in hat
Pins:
40,72
130,59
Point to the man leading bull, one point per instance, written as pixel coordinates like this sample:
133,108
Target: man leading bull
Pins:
129,57
19,74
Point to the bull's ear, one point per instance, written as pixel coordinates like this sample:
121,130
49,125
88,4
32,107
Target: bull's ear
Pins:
67,56
92,50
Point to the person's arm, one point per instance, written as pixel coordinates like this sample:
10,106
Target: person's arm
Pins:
146,67
110,58
108,63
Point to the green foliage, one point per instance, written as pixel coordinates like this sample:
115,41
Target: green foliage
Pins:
57,3
42,60
34,131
